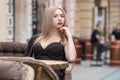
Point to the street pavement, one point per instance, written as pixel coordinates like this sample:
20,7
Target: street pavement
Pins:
84,71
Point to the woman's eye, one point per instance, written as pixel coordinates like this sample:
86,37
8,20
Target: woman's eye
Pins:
55,16
62,16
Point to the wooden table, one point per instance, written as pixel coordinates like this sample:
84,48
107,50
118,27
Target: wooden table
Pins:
55,64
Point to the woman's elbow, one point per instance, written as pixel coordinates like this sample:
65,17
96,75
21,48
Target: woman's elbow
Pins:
72,59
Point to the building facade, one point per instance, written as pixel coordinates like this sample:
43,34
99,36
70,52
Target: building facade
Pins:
15,20
19,20
6,20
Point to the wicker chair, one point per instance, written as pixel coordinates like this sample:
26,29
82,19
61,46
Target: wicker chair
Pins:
42,70
27,72
68,73
12,70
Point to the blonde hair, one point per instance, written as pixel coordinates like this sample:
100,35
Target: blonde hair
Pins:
47,24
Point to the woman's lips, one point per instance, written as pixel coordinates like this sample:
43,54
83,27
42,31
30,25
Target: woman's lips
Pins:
60,23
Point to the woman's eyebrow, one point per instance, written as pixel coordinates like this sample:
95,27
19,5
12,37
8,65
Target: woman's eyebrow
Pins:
55,14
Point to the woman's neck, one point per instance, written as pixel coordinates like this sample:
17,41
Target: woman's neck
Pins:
54,32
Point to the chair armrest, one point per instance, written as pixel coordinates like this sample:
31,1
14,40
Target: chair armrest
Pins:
68,74
69,68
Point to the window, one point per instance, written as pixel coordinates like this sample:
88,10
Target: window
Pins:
10,6
10,33
10,19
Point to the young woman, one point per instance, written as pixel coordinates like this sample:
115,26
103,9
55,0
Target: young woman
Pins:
55,41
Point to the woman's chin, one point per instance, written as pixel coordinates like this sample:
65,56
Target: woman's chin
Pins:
59,26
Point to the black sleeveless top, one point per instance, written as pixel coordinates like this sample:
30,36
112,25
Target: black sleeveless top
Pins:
54,51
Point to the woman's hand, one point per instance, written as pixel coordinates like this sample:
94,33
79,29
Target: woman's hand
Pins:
66,31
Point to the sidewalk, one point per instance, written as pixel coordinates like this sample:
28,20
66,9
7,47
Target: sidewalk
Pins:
86,72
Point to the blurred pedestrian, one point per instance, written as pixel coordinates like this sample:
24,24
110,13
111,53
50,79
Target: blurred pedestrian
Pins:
99,43
116,33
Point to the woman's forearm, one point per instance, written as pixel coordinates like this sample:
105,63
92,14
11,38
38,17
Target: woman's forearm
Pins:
71,51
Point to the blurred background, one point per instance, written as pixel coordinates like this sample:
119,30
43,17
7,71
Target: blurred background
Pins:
20,19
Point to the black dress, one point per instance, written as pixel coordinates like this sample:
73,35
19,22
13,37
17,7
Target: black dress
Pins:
54,51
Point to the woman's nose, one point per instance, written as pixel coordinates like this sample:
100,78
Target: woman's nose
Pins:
59,18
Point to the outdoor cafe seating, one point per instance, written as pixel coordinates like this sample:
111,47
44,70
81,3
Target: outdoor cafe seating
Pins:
14,51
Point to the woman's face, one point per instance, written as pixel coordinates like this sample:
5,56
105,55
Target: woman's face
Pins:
58,18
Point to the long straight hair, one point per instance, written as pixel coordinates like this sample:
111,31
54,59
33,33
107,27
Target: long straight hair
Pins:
47,24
